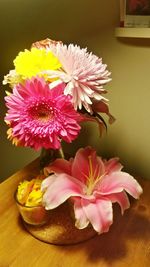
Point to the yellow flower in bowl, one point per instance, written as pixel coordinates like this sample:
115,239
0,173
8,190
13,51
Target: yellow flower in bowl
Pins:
29,201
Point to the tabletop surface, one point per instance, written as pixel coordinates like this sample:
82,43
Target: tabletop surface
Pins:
126,244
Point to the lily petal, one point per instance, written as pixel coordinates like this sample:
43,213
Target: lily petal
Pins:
58,166
113,165
47,182
60,189
80,167
80,216
117,182
122,199
86,163
99,214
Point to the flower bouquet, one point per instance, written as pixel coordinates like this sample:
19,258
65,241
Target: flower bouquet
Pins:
54,88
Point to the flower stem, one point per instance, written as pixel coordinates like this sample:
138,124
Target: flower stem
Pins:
49,155
61,153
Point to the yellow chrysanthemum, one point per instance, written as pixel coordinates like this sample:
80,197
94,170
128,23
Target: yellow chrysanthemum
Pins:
32,63
29,192
23,191
34,198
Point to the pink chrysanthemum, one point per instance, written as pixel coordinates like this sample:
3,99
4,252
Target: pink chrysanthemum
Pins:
83,72
40,117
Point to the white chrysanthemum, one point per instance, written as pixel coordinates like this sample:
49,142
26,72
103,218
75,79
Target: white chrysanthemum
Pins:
83,72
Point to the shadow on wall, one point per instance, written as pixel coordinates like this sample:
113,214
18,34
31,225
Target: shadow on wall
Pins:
113,143
135,42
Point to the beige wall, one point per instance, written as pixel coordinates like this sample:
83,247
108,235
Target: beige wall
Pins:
87,23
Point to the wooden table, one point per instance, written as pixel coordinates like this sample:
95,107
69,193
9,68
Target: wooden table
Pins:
126,244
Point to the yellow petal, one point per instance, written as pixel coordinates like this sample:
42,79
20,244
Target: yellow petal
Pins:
32,63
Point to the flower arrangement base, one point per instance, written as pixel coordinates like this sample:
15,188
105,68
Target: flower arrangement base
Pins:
60,229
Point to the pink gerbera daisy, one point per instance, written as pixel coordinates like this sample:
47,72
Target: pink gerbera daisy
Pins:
83,72
40,117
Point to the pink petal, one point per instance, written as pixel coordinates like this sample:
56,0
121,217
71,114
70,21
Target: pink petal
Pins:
113,165
121,199
99,214
57,90
80,216
117,182
60,189
81,164
48,181
59,166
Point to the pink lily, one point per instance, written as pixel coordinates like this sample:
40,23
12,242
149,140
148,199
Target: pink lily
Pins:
92,184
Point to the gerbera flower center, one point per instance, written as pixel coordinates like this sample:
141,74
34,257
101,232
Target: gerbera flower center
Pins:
42,112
